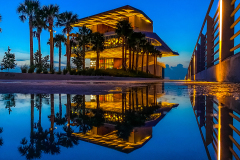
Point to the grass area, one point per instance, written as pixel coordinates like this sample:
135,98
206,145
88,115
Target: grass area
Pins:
113,72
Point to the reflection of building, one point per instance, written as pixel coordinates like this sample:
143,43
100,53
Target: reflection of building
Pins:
106,22
218,120
116,108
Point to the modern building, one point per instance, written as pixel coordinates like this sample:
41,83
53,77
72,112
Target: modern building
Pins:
111,57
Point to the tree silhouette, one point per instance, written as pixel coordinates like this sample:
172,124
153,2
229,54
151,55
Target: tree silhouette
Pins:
1,139
9,101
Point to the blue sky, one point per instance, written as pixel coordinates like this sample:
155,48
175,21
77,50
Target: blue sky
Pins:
177,22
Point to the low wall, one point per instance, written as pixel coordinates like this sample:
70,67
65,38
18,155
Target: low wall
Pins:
34,76
227,71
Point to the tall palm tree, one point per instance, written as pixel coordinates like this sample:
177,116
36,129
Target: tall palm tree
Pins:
140,39
123,30
130,43
50,13
39,23
84,39
156,53
27,10
98,45
58,40
66,19
144,49
149,49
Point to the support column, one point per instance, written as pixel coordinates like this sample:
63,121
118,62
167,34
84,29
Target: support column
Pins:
209,120
202,53
227,32
225,132
210,42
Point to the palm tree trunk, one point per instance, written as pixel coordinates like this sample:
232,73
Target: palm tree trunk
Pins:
32,112
147,62
60,106
98,102
133,60
142,61
68,48
97,63
147,95
130,58
51,46
60,54
31,40
125,58
40,112
68,108
52,112
83,48
137,62
39,47
123,53
154,57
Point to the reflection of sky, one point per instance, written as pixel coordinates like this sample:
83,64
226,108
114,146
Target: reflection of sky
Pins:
176,136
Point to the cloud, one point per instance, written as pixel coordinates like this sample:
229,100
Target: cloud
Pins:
175,72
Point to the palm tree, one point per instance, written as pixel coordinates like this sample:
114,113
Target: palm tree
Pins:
65,20
50,13
149,49
131,44
58,40
123,30
27,10
98,45
40,23
83,39
155,54
143,46
140,39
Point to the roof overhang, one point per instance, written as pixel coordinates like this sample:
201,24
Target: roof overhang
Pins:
111,18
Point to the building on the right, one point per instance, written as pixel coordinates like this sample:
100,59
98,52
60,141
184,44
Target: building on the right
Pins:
111,57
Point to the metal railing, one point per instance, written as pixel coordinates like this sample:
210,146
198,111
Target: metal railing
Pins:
217,36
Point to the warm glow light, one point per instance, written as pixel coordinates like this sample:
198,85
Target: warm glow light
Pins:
194,61
219,70
219,131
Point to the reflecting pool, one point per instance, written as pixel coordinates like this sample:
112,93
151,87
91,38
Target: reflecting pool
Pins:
148,121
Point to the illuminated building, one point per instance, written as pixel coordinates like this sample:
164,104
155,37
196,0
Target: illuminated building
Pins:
111,57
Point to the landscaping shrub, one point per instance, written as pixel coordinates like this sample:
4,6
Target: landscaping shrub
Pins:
73,72
31,69
65,71
45,71
24,68
53,71
59,72
39,70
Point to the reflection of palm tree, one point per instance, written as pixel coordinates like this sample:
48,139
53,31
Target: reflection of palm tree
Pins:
86,120
39,142
66,140
1,140
132,119
9,101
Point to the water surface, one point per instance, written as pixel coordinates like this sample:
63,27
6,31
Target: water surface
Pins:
152,121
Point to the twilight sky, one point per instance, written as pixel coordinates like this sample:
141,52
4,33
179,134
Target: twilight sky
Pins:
177,22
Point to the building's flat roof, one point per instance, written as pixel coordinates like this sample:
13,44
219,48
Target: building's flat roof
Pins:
112,17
